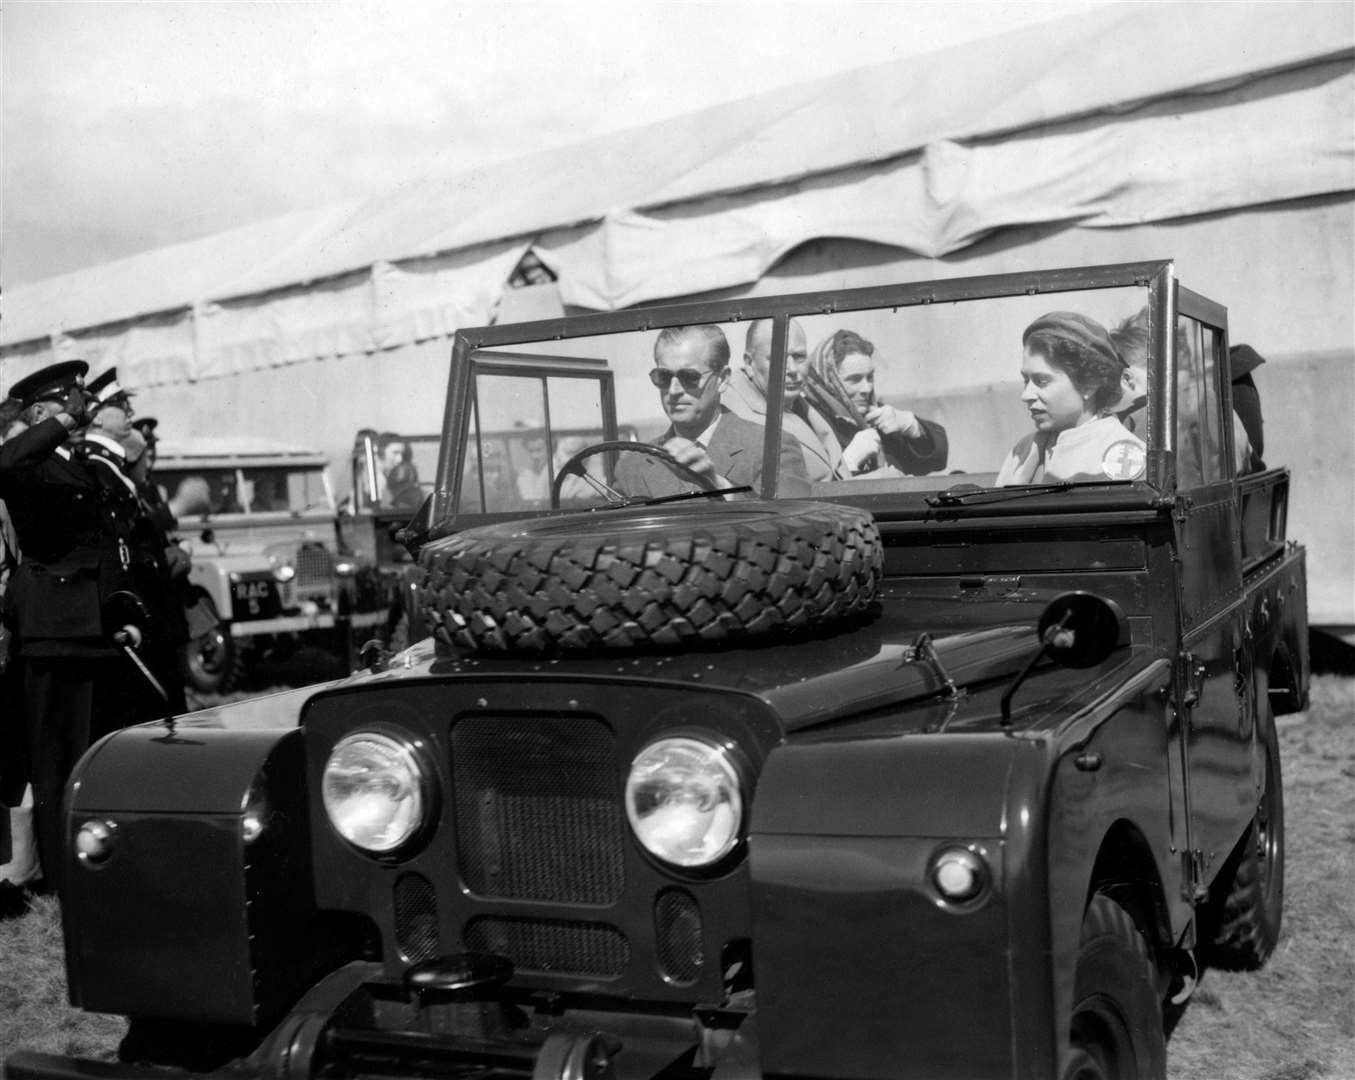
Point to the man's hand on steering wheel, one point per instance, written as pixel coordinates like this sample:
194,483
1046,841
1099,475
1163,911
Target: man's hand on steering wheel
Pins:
693,457
707,484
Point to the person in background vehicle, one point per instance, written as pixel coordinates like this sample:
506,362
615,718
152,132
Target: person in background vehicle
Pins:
845,362
397,477
533,478
824,455
1243,360
691,370
1073,378
1130,338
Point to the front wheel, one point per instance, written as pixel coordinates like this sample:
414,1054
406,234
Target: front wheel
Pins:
212,663
1116,1029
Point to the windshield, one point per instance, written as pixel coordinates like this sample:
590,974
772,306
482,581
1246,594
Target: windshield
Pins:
994,392
211,491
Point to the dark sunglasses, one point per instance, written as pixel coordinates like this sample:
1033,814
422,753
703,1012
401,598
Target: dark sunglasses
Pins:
690,379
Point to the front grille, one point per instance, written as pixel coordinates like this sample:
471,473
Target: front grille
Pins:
555,946
538,809
416,918
677,930
314,566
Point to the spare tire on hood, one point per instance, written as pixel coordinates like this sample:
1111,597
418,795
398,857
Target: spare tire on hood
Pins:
651,576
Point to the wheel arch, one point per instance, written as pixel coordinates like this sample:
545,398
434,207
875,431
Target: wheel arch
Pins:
1284,685
1126,871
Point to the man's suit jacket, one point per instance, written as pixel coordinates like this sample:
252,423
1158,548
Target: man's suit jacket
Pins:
819,446
735,449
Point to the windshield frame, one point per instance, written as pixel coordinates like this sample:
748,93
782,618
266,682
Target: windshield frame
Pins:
1157,277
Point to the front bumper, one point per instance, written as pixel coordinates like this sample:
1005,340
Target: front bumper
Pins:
357,1023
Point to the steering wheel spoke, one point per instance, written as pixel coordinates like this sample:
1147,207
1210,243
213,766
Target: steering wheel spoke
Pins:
617,497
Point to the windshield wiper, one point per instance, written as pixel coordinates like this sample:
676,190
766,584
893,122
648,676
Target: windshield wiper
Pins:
960,494
683,496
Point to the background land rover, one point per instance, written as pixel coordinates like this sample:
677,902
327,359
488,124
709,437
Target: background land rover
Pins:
258,519
978,820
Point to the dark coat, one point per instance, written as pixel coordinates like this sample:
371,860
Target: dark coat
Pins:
927,453
72,529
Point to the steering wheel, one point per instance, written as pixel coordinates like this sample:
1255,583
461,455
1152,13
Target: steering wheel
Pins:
574,467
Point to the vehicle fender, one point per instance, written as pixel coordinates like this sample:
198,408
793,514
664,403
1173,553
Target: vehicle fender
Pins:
210,576
855,950
201,907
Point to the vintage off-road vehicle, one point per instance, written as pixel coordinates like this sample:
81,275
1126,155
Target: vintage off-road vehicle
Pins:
257,517
922,776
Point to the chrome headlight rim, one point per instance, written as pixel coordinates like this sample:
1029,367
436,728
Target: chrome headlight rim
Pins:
283,570
726,753
411,751
961,875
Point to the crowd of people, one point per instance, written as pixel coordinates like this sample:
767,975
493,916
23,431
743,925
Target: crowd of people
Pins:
88,573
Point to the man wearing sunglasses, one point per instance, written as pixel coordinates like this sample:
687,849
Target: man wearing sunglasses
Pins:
691,370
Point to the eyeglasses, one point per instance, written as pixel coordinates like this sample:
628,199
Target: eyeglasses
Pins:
689,379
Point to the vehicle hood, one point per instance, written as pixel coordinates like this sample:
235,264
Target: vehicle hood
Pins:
868,664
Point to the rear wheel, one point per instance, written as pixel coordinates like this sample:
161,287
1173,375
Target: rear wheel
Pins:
1242,921
1116,1029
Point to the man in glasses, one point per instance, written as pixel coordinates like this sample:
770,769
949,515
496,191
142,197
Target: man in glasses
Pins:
825,457
691,370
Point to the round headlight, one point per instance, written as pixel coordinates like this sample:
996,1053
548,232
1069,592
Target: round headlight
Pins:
374,791
684,801
284,572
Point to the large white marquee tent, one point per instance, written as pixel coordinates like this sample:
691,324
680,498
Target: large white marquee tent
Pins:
1221,135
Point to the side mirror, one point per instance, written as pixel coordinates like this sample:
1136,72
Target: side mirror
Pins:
1077,630
1080,629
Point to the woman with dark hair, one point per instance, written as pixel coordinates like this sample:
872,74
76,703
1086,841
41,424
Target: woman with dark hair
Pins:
842,370
1074,378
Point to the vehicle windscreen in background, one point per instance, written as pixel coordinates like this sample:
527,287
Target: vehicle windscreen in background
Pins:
192,492
913,398
405,468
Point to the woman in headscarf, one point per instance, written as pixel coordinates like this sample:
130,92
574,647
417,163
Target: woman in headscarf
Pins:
841,385
1074,378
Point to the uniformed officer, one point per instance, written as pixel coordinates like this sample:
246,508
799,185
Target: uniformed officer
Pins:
116,448
75,557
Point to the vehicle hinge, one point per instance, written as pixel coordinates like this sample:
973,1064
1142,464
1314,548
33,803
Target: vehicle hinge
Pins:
1192,680
1193,888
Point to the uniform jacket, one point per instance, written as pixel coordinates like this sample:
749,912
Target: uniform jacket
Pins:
72,532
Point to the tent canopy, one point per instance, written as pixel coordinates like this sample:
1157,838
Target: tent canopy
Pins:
929,153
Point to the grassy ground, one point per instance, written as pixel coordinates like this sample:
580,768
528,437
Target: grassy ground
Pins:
1294,1020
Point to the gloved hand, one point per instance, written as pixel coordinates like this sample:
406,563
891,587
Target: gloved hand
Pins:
78,406
864,446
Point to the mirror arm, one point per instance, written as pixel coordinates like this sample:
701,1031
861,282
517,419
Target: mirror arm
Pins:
1050,636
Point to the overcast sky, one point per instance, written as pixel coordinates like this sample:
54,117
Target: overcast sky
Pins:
126,126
